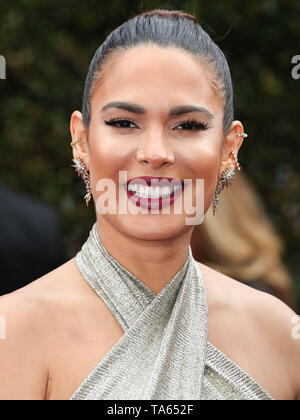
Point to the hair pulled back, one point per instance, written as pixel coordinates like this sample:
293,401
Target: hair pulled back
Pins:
164,28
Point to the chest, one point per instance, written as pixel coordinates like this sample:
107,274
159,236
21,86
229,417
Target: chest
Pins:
82,341
78,347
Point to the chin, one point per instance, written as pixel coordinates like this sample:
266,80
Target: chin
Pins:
153,227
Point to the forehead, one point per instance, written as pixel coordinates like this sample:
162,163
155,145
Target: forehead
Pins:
152,76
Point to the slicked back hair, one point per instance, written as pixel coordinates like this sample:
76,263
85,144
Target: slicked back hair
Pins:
165,28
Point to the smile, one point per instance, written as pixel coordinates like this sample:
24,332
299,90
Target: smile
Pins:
151,193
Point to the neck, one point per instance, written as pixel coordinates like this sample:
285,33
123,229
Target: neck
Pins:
154,262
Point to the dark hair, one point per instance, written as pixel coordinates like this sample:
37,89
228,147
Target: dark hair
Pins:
164,28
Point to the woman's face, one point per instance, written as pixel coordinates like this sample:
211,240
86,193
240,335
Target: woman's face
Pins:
152,141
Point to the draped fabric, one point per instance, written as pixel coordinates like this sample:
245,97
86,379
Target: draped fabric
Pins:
164,353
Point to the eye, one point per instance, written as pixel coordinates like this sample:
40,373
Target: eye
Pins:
192,125
188,124
120,123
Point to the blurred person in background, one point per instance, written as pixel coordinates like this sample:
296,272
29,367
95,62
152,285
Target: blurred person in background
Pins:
241,242
31,242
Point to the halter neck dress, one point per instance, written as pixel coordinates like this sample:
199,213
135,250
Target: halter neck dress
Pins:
164,353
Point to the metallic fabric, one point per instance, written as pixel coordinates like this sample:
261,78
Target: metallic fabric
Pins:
164,353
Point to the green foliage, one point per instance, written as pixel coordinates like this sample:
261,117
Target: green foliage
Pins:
48,47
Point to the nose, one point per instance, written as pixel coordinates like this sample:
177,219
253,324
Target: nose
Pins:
155,151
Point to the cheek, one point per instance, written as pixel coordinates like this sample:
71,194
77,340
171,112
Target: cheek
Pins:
203,163
107,157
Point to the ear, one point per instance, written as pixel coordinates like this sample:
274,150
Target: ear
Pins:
232,142
79,132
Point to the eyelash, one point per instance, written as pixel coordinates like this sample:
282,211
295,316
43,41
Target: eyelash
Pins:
190,123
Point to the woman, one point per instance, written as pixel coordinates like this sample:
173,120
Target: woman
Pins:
127,318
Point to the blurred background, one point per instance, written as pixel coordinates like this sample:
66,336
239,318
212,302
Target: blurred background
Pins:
48,47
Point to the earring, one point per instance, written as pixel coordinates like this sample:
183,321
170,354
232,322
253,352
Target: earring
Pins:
82,171
242,135
235,162
225,180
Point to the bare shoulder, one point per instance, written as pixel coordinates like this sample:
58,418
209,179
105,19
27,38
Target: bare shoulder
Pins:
27,317
279,326
261,324
22,354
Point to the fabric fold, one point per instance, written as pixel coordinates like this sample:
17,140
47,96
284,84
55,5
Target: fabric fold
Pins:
164,352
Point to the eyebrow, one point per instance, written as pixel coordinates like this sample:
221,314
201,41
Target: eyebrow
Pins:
138,109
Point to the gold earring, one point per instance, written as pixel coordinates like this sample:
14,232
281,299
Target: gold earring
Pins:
235,162
74,141
225,180
82,171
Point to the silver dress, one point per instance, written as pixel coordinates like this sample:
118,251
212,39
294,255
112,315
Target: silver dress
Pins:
164,353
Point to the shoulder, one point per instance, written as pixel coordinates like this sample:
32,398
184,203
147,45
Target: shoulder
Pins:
231,295
34,306
29,320
22,353
258,319
277,322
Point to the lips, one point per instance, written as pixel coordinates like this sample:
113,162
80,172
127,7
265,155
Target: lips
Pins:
163,191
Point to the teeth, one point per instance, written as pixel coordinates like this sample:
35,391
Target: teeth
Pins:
153,192
177,188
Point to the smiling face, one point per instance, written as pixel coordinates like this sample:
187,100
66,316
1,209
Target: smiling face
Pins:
155,93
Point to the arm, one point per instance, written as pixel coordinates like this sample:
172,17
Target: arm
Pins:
23,374
281,326
296,351
291,333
